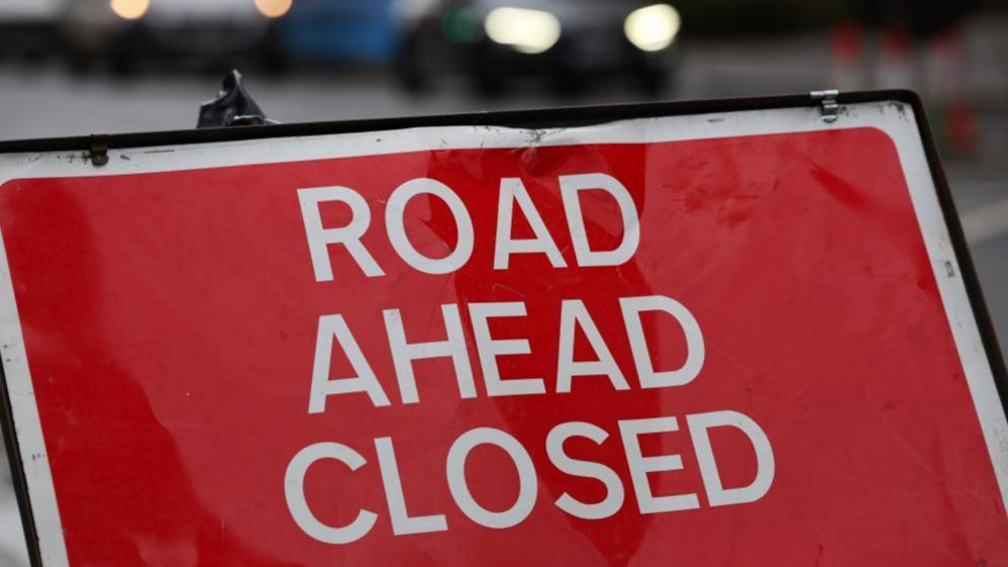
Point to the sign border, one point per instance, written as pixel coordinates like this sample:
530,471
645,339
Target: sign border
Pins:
546,118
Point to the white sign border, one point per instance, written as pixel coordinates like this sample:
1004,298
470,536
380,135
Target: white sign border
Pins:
894,118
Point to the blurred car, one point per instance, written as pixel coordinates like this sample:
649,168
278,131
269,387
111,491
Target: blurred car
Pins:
28,27
495,40
123,32
356,32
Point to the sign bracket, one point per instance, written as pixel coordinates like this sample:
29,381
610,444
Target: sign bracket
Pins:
98,150
233,106
828,102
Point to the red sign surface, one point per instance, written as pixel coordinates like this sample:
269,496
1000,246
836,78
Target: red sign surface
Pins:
730,351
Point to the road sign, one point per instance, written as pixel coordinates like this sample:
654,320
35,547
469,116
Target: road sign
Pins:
728,333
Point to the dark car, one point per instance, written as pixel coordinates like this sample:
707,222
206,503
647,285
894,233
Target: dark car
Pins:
342,32
28,27
124,32
567,41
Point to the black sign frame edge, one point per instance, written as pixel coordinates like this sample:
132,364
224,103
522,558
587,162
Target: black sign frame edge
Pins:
538,118
18,475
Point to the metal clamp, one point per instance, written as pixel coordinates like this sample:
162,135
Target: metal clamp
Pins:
828,102
98,150
233,106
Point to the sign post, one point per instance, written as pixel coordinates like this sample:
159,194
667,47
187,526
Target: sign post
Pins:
733,333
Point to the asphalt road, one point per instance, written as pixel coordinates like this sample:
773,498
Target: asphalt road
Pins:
43,100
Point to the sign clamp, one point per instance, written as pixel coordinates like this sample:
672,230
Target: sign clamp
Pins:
98,150
233,106
828,101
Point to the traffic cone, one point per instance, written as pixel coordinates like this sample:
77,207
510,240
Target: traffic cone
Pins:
847,45
949,89
895,61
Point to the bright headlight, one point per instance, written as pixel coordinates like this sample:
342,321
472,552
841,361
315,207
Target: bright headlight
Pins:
273,8
129,9
527,31
653,28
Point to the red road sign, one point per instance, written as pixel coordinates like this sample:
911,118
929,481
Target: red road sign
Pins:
737,338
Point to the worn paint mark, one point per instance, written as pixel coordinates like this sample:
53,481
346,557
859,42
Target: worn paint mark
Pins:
497,286
900,108
949,269
30,159
84,157
536,136
840,188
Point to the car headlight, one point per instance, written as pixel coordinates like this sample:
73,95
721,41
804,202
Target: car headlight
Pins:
527,31
653,28
129,9
273,8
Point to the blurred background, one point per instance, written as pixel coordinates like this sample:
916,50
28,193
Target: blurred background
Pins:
72,67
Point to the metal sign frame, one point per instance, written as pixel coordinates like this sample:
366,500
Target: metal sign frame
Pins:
94,149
